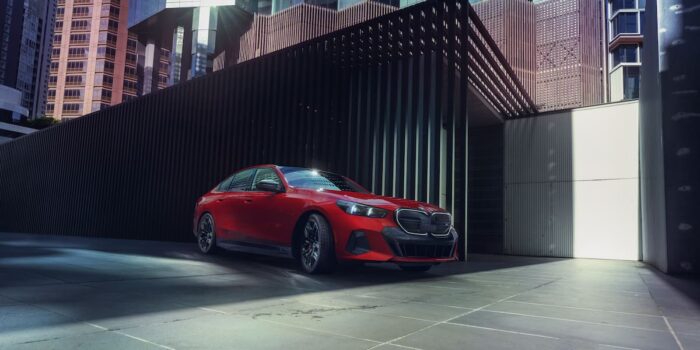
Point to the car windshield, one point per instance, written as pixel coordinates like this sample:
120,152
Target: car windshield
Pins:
318,180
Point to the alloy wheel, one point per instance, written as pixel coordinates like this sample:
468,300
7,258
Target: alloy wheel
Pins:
311,247
206,233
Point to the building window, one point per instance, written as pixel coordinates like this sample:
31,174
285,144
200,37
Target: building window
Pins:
130,58
76,66
130,86
106,94
111,39
49,108
54,67
111,25
72,94
625,23
622,4
71,107
130,72
80,25
57,39
74,79
108,52
631,82
82,11
624,54
74,52
107,80
79,38
58,26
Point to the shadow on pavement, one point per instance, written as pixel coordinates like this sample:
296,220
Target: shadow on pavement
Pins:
85,279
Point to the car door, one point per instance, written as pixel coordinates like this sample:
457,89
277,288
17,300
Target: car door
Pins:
229,205
266,216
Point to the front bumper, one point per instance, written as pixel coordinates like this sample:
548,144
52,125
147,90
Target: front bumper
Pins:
381,240
410,247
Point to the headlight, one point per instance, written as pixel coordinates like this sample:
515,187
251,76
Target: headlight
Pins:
358,209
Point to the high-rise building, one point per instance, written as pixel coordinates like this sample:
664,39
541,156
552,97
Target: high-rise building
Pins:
625,21
269,33
570,54
182,40
179,40
511,24
555,47
93,64
25,46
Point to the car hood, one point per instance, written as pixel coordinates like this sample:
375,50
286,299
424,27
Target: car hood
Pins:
374,200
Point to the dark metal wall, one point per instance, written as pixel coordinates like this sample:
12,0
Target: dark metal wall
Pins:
669,142
485,192
383,102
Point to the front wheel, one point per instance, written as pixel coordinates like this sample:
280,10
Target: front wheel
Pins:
415,268
206,234
316,250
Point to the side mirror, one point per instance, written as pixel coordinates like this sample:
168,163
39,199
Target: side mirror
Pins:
269,186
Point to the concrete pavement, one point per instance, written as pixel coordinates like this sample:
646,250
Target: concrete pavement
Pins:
67,292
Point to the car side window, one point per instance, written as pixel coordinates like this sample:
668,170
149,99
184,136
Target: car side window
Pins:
265,174
241,181
224,185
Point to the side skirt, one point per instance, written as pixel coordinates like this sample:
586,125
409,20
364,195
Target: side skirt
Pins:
256,248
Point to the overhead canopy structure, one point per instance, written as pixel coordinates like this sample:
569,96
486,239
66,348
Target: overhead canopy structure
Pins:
385,102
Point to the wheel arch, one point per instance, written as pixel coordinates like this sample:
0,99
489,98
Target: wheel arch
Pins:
195,230
299,226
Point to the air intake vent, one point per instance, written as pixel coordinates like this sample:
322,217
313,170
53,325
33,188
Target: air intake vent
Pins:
425,250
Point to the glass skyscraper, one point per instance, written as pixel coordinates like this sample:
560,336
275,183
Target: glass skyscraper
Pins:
625,36
177,38
25,46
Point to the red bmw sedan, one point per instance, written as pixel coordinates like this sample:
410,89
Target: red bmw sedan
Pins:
320,218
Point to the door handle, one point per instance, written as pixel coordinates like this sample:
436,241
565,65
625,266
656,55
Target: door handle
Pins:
247,201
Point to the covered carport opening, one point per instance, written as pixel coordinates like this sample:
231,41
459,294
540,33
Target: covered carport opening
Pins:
388,102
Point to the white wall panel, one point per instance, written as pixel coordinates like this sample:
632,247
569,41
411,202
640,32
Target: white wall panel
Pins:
606,219
571,183
606,142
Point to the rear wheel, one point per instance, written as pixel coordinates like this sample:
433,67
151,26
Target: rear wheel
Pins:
206,234
415,268
316,251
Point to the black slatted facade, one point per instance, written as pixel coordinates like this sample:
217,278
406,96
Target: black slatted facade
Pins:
383,102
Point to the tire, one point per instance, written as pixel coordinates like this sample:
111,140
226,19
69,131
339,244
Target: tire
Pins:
415,268
316,248
206,234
